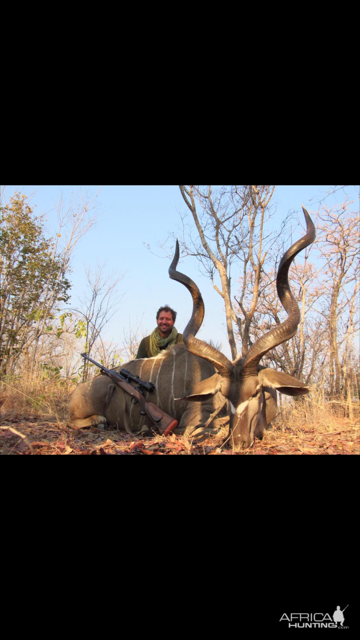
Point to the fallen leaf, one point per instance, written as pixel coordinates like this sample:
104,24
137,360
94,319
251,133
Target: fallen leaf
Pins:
136,445
151,453
67,450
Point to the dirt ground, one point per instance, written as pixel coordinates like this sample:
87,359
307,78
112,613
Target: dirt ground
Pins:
22,434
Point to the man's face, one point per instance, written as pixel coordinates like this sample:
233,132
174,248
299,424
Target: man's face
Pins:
165,323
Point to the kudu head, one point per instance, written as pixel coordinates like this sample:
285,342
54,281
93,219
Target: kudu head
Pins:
242,381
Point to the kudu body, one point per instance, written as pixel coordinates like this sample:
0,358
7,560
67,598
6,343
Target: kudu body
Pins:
173,373
196,383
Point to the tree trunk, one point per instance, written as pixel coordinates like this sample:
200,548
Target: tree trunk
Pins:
335,368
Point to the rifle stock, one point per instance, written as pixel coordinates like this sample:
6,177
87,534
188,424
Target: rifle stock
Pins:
161,420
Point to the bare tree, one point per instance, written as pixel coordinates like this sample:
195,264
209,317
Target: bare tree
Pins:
298,356
349,358
131,341
230,225
98,305
327,289
253,259
339,248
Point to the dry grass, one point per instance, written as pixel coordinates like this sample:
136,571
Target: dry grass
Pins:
35,396
310,427
34,422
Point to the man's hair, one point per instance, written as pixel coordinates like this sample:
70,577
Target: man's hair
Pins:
167,309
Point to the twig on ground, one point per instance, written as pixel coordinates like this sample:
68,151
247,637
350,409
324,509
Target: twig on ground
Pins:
17,433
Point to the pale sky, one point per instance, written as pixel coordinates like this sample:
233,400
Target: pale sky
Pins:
134,215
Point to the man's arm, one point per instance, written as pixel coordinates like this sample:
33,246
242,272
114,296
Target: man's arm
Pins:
142,352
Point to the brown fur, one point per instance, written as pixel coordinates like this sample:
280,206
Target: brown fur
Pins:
173,374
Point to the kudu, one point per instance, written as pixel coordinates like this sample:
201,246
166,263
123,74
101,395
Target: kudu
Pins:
194,381
249,388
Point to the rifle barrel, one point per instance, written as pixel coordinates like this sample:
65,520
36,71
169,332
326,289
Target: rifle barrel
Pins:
101,366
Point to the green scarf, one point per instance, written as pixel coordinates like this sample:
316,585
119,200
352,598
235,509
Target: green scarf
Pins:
157,343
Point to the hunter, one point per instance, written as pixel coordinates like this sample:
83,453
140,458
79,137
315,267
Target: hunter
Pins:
164,336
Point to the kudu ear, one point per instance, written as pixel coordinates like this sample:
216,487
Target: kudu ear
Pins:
204,390
282,382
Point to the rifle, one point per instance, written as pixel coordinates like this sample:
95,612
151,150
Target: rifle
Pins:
148,386
161,420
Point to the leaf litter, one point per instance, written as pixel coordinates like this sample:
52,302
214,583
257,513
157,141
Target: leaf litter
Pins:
23,435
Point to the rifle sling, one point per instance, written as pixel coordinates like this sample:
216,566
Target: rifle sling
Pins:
144,408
